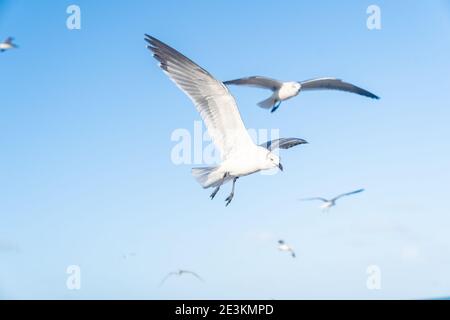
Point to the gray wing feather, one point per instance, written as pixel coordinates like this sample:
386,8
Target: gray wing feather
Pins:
315,198
334,84
167,277
348,194
211,97
283,143
257,81
192,273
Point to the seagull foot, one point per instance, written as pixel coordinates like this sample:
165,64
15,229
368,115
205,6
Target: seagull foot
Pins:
228,200
275,107
214,193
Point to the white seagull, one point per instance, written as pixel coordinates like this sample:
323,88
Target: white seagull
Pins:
285,90
218,109
7,44
179,273
282,246
328,203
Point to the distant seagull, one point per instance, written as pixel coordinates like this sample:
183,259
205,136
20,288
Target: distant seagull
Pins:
218,109
128,255
285,90
282,246
7,44
179,273
328,203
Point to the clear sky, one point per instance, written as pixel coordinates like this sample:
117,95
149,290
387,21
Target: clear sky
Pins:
86,174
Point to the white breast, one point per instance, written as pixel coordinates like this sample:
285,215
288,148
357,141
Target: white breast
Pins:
288,90
326,205
5,46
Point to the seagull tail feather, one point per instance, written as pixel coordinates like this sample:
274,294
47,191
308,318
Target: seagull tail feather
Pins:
267,104
208,176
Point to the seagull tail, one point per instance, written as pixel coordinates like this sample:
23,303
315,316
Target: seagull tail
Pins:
267,104
208,176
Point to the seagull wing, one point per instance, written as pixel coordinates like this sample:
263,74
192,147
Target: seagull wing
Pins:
315,198
212,99
192,273
334,84
257,81
348,194
283,143
167,277
9,40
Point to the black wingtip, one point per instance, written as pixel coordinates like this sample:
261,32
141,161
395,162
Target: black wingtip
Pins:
303,141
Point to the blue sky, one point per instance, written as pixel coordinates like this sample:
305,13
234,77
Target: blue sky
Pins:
86,174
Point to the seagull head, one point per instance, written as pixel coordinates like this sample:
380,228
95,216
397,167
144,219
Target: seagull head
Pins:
274,161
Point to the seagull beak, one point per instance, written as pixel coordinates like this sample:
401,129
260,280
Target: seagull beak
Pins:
280,166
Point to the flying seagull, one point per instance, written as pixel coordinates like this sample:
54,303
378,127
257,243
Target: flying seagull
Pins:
328,203
218,109
7,44
285,90
282,246
128,255
179,273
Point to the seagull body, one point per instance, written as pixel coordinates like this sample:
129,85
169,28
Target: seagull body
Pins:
282,246
179,273
7,44
283,91
328,203
218,109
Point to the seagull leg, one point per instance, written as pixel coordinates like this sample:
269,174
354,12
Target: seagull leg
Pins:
218,187
214,193
275,107
231,196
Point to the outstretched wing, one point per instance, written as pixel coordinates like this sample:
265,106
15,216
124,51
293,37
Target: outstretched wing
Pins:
257,81
334,84
9,40
212,99
166,277
315,198
348,194
283,143
192,273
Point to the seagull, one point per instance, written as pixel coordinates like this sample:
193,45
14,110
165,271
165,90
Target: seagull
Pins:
285,90
328,203
128,255
282,246
218,109
179,273
7,44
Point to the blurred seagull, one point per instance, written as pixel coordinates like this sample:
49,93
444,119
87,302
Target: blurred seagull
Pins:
218,109
282,246
328,203
179,273
128,255
285,90
7,44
